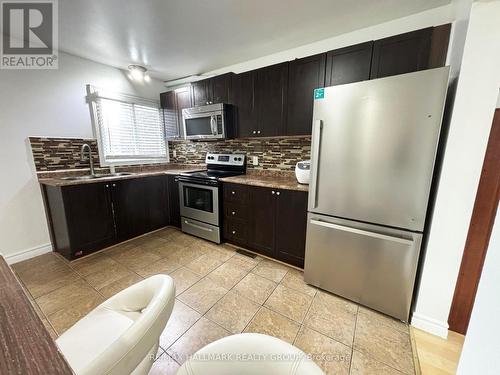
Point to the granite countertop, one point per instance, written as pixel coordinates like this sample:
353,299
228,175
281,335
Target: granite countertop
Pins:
55,178
271,179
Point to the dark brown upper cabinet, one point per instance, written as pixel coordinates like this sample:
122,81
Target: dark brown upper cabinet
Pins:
304,75
349,64
173,102
212,90
221,86
439,45
270,98
243,98
200,92
260,100
404,53
277,100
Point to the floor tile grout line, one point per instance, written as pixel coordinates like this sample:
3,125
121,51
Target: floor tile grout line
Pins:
245,272
354,338
362,350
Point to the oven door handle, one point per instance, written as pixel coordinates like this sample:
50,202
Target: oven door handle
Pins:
213,124
198,226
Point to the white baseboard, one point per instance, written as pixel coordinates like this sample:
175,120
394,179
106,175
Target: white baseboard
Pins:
27,254
430,325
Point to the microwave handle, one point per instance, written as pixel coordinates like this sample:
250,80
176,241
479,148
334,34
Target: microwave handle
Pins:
213,124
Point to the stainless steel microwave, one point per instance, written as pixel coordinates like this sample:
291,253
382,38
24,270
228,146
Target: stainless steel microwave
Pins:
206,122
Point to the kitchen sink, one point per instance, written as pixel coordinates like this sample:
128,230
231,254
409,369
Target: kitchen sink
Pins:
95,176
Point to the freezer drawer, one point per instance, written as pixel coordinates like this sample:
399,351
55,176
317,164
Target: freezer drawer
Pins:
372,265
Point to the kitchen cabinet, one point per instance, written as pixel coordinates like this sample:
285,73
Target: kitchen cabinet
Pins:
200,92
270,98
260,100
128,204
156,202
80,218
277,100
235,208
172,103
174,208
291,225
88,217
211,90
349,64
261,223
404,53
243,98
304,75
269,221
140,205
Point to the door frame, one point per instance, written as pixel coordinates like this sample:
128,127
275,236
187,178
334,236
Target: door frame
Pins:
478,236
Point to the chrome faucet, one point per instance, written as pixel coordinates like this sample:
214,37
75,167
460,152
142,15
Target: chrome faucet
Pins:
85,146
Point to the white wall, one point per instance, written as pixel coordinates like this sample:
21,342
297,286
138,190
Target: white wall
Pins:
44,103
480,354
432,17
475,100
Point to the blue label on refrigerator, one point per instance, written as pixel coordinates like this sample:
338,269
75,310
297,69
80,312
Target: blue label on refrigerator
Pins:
319,93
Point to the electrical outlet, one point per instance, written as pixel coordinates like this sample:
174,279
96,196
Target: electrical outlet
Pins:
255,160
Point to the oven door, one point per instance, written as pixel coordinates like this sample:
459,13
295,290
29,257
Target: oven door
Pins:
199,202
208,125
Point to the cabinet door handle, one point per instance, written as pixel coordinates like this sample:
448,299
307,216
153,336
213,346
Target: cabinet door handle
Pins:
273,192
114,185
233,232
233,213
232,192
254,132
258,131
278,193
107,186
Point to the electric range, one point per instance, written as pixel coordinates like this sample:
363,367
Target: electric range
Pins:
200,195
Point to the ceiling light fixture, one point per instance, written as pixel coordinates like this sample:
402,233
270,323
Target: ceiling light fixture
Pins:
138,73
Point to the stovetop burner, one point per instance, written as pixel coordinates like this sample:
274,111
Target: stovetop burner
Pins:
218,166
212,174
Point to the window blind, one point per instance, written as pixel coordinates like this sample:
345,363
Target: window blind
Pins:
130,131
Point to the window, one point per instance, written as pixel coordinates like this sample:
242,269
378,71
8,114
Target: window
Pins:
129,130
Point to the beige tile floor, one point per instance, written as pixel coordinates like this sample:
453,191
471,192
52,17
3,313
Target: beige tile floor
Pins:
219,293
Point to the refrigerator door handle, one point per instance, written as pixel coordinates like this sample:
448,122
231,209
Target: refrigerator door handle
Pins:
315,152
362,232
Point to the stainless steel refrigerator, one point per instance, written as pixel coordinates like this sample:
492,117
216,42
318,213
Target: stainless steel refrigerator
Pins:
373,151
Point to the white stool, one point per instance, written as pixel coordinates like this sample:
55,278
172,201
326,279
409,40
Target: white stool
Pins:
121,335
249,354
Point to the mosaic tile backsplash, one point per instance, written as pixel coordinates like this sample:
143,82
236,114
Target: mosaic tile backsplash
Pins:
274,153
52,154
281,153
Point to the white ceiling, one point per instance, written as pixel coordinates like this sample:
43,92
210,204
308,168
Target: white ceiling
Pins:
176,38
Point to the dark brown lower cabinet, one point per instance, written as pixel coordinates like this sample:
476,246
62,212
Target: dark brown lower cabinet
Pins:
291,223
271,222
173,201
261,221
140,205
89,217
80,218
128,205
